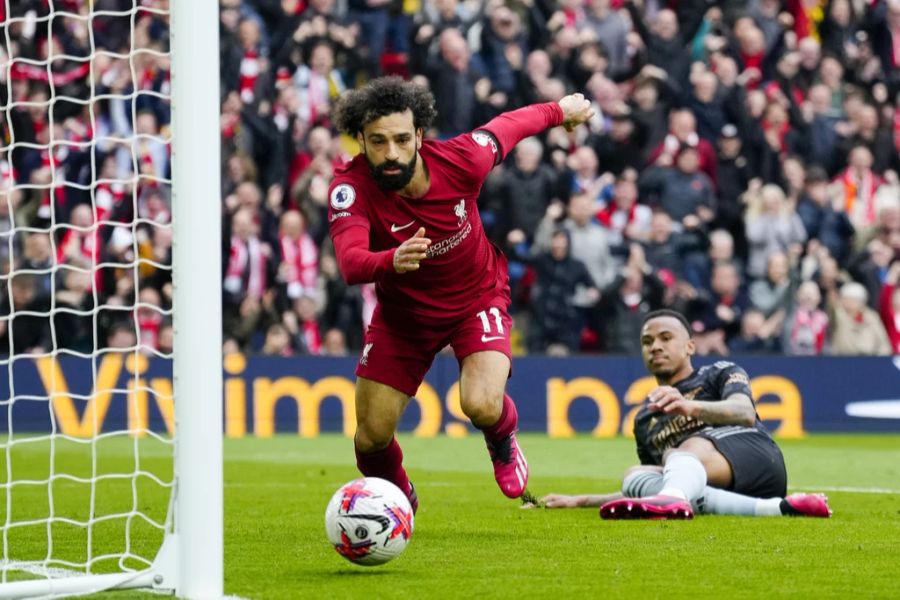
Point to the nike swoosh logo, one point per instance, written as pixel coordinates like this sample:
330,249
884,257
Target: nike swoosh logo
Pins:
396,228
485,338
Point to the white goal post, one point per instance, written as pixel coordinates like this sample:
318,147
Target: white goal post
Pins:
197,277
178,543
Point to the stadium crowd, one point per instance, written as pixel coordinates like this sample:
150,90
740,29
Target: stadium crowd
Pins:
742,167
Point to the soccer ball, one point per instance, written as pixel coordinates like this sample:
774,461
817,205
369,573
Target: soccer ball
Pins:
369,521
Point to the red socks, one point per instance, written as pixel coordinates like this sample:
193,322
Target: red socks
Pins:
507,423
386,463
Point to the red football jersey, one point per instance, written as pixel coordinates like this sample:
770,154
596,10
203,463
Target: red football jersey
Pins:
462,264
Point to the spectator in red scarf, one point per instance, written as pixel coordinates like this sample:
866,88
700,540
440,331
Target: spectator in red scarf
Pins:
623,215
149,318
749,50
247,263
683,131
298,271
253,66
857,184
79,241
303,326
776,139
110,193
806,328
319,83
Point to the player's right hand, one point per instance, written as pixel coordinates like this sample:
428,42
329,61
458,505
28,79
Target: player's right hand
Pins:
411,252
576,110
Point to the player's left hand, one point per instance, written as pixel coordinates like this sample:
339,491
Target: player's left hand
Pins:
576,110
667,399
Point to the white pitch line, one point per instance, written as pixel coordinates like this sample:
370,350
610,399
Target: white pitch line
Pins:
851,489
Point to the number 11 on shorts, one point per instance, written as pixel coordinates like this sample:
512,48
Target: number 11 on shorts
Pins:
486,324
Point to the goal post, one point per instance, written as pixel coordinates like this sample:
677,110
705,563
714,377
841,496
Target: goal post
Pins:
198,297
96,492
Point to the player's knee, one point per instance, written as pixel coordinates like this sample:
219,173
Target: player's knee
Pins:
483,409
640,482
632,470
370,438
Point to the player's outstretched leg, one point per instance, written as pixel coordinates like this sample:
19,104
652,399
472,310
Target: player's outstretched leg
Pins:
510,466
805,505
387,463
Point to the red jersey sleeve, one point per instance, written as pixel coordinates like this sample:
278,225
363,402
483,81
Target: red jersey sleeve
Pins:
512,127
357,263
349,224
488,145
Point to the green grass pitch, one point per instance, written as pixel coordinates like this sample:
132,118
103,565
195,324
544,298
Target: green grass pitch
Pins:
470,541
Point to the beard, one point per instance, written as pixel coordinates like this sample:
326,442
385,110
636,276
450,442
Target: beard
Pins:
393,181
661,371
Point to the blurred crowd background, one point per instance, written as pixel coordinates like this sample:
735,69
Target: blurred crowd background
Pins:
742,167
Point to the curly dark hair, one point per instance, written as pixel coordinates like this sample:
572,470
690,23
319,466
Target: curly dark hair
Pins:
381,97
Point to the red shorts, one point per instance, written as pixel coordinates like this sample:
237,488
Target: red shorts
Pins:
400,356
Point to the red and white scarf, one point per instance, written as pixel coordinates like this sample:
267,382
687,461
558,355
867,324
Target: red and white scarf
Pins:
302,257
87,244
246,263
808,332
7,175
249,74
311,336
149,325
108,198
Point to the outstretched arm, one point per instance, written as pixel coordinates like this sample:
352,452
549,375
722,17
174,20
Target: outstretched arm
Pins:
578,501
512,127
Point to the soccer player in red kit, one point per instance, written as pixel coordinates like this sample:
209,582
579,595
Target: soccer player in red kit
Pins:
403,214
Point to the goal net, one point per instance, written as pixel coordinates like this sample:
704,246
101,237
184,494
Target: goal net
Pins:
89,484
